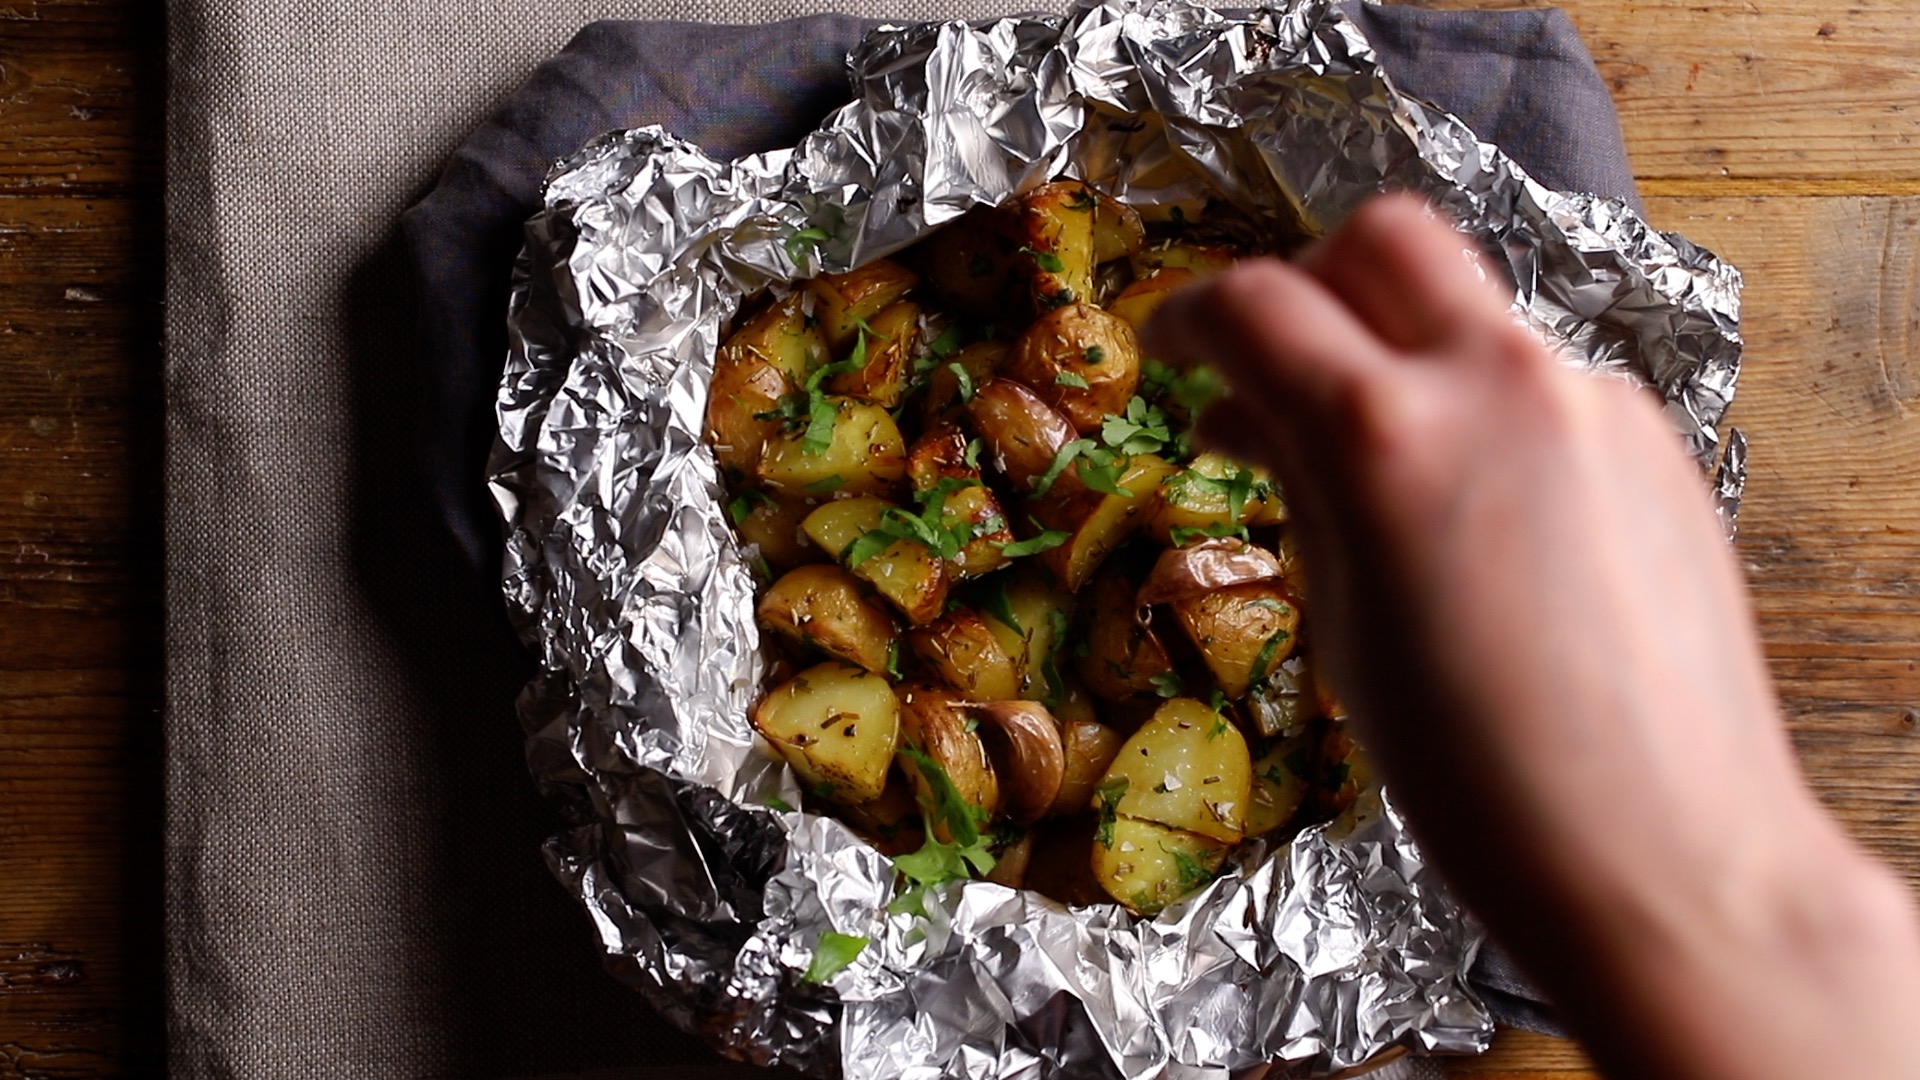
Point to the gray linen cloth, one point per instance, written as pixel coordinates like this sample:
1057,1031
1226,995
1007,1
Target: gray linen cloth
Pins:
353,879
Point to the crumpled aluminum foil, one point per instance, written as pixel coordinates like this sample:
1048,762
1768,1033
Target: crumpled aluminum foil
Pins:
631,589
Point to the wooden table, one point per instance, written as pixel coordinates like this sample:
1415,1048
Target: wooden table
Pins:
1784,134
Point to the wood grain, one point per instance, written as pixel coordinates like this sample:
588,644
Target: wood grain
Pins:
1759,90
1782,134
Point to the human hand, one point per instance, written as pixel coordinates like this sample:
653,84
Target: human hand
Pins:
1522,594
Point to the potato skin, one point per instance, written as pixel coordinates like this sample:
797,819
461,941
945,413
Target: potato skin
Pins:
837,725
1242,631
1140,299
970,263
941,455
1186,768
967,656
1023,435
866,457
1123,654
744,388
1090,748
1100,522
823,606
882,380
1082,361
933,722
773,525
980,360
1056,233
841,302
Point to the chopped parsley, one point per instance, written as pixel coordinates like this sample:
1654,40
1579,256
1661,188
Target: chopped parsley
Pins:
1142,429
1047,540
1068,378
1167,684
1045,260
832,955
1109,794
943,860
804,241
742,505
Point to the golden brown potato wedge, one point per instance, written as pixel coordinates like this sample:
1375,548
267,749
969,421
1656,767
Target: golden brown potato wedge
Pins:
967,656
782,336
1146,865
1056,234
744,390
864,455
888,352
941,455
773,525
1117,230
1082,361
1202,260
1031,616
934,722
1242,631
1124,655
1201,500
824,607
837,725
1023,741
1090,748
1287,549
1186,768
841,302
1101,524
906,572
1286,700
1139,300
950,385
1281,779
1024,436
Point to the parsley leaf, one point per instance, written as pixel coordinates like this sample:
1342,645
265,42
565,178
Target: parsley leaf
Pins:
1059,465
1068,378
803,241
946,860
965,380
1095,355
993,598
1049,667
1143,429
1045,260
1167,684
1109,795
1264,660
775,802
1193,872
1046,541
832,955
821,413
825,485
742,505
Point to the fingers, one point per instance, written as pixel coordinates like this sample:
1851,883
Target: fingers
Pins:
1416,282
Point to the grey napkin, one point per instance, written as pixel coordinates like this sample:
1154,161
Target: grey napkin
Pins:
353,879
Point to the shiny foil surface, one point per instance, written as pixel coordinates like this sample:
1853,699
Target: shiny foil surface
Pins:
628,584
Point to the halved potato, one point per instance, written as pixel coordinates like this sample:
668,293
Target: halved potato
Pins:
1186,768
745,388
1090,748
782,336
1117,230
1139,300
906,572
1199,500
774,526
1023,434
865,456
823,606
1286,699
1147,866
967,656
934,722
1242,631
1010,863
1101,524
882,380
1023,741
1203,260
837,725
1040,613
941,455
946,391
1281,779
841,302
1082,361
1056,234
1123,654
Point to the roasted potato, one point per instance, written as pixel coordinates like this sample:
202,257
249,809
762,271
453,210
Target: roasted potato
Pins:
864,455
773,526
1056,234
1146,865
780,335
1090,748
941,456
950,385
1212,497
1030,615
1285,700
837,725
891,822
1082,361
1100,524
1010,863
1024,436
1186,768
1341,773
1117,229
1023,741
1123,654
1139,300
824,607
967,656
970,262
841,302
1242,631
745,389
1201,260
1281,779
888,354
906,572
934,722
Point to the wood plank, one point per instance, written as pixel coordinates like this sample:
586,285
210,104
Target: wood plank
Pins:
1761,90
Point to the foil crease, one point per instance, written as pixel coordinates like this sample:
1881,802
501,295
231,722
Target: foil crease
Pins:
634,595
